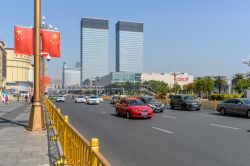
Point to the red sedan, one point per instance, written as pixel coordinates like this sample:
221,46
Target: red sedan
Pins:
133,108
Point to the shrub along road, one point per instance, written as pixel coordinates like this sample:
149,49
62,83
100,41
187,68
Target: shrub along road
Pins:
174,137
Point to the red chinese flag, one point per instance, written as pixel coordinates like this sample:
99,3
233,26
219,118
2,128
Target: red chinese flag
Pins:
51,42
23,40
45,81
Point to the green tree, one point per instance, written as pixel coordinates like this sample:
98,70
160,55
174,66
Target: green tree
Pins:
242,84
220,82
209,85
199,85
237,82
189,88
161,88
176,88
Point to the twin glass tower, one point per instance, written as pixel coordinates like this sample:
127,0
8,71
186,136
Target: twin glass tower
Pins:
95,48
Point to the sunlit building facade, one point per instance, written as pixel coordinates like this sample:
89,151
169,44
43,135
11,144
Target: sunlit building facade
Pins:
129,47
2,65
19,76
94,48
71,76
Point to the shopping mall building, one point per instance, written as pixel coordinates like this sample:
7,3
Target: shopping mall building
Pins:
169,78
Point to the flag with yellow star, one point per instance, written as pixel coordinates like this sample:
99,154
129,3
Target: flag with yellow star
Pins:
51,42
45,81
23,40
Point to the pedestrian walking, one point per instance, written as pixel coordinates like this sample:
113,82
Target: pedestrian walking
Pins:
26,98
6,99
3,99
32,99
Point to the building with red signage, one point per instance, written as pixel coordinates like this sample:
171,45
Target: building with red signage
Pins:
169,78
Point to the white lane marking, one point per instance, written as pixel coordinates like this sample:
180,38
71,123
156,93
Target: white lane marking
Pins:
206,115
217,125
166,131
103,112
173,117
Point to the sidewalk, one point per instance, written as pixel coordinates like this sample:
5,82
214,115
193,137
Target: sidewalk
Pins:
19,146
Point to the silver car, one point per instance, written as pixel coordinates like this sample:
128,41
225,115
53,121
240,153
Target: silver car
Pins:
239,106
60,98
93,100
80,99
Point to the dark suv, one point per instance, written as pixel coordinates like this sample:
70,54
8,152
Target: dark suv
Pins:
184,102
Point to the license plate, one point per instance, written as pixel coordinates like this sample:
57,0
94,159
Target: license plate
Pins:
144,113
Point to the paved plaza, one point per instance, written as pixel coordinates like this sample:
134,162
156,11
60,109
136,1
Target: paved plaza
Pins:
18,145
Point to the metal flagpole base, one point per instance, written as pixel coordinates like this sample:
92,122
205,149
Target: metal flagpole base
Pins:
36,120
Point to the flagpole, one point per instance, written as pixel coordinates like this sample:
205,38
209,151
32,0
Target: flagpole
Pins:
36,119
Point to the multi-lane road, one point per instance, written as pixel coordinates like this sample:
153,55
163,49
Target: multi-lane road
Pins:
171,138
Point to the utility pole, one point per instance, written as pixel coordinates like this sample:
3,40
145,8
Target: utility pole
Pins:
36,119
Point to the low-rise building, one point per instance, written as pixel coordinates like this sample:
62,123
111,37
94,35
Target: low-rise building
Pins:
121,77
71,76
19,72
2,65
118,77
169,78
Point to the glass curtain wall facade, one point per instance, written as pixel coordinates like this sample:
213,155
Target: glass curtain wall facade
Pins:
129,47
94,48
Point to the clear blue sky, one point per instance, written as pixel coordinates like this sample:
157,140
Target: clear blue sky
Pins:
201,37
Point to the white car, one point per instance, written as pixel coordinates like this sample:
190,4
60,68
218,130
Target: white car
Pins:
80,99
60,98
93,100
100,99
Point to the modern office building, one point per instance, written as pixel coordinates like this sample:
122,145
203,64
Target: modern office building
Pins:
71,76
94,48
129,47
2,66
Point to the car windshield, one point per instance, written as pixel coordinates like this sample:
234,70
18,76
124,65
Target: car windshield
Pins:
115,97
151,99
187,98
246,101
93,97
135,102
80,96
60,96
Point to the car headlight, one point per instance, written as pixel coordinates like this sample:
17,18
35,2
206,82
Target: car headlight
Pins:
151,105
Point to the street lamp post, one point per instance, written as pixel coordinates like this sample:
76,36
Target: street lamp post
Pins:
36,119
44,26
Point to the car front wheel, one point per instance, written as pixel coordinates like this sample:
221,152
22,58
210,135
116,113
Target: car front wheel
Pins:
184,107
222,111
128,115
248,113
117,112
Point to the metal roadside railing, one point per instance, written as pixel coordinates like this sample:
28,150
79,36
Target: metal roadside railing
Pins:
77,150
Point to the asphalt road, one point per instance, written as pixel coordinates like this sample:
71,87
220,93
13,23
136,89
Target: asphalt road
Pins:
171,138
